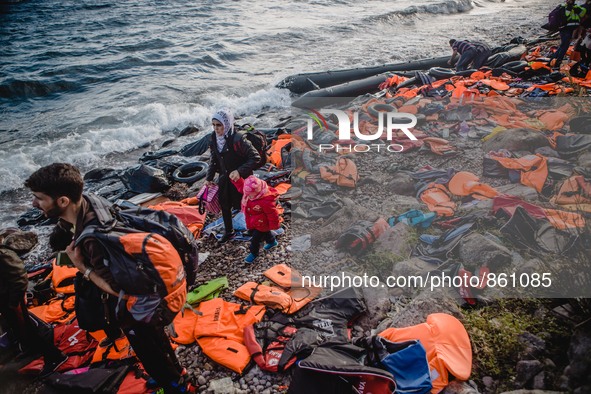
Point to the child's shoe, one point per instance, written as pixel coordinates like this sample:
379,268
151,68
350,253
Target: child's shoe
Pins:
271,245
250,258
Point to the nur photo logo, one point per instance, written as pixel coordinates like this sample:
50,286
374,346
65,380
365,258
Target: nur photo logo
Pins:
388,122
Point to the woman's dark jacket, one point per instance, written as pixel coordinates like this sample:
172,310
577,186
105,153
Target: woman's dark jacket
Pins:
238,154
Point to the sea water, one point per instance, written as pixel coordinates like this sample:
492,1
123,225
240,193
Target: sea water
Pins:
95,83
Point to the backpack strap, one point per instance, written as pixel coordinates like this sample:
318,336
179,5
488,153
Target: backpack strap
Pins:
87,232
102,209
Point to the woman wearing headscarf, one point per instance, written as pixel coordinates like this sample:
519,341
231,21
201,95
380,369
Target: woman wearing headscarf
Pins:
232,156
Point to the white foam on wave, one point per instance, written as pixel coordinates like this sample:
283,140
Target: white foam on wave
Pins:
142,124
253,103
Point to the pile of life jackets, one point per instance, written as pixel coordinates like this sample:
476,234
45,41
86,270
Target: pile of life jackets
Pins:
59,309
438,196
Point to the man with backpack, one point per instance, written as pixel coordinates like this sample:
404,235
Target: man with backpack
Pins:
570,16
233,156
57,191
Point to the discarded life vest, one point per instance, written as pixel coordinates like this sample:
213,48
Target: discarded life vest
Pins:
344,173
438,199
188,214
182,329
538,235
134,382
439,146
357,238
339,368
57,310
95,380
288,302
274,151
327,320
62,278
561,220
74,342
534,169
220,331
118,349
574,193
465,183
406,361
447,345
266,342
284,276
207,291
276,343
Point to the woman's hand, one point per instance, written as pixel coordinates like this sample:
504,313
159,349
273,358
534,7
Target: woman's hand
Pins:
75,254
234,175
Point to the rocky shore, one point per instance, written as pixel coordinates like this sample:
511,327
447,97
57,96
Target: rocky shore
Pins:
522,341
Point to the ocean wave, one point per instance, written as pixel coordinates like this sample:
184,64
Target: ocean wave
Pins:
26,89
133,128
443,8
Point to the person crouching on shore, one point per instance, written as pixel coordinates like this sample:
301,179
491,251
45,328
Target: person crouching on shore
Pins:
259,204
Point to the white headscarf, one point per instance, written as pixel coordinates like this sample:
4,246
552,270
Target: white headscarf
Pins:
226,118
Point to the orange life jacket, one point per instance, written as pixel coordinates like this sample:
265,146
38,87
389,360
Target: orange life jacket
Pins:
274,152
284,276
438,200
288,302
344,173
220,331
62,278
183,326
465,183
187,213
57,310
574,191
534,169
120,349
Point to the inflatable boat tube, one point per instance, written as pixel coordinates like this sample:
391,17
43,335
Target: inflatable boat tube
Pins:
302,83
511,53
375,109
516,66
190,172
441,73
340,94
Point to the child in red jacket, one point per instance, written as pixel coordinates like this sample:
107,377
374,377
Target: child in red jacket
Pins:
259,204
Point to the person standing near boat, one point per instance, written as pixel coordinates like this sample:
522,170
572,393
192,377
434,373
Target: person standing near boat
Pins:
573,14
232,156
475,53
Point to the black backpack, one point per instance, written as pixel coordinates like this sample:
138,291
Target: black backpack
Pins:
556,19
110,217
256,138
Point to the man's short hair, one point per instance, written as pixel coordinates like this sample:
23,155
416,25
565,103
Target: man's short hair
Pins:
452,41
57,180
